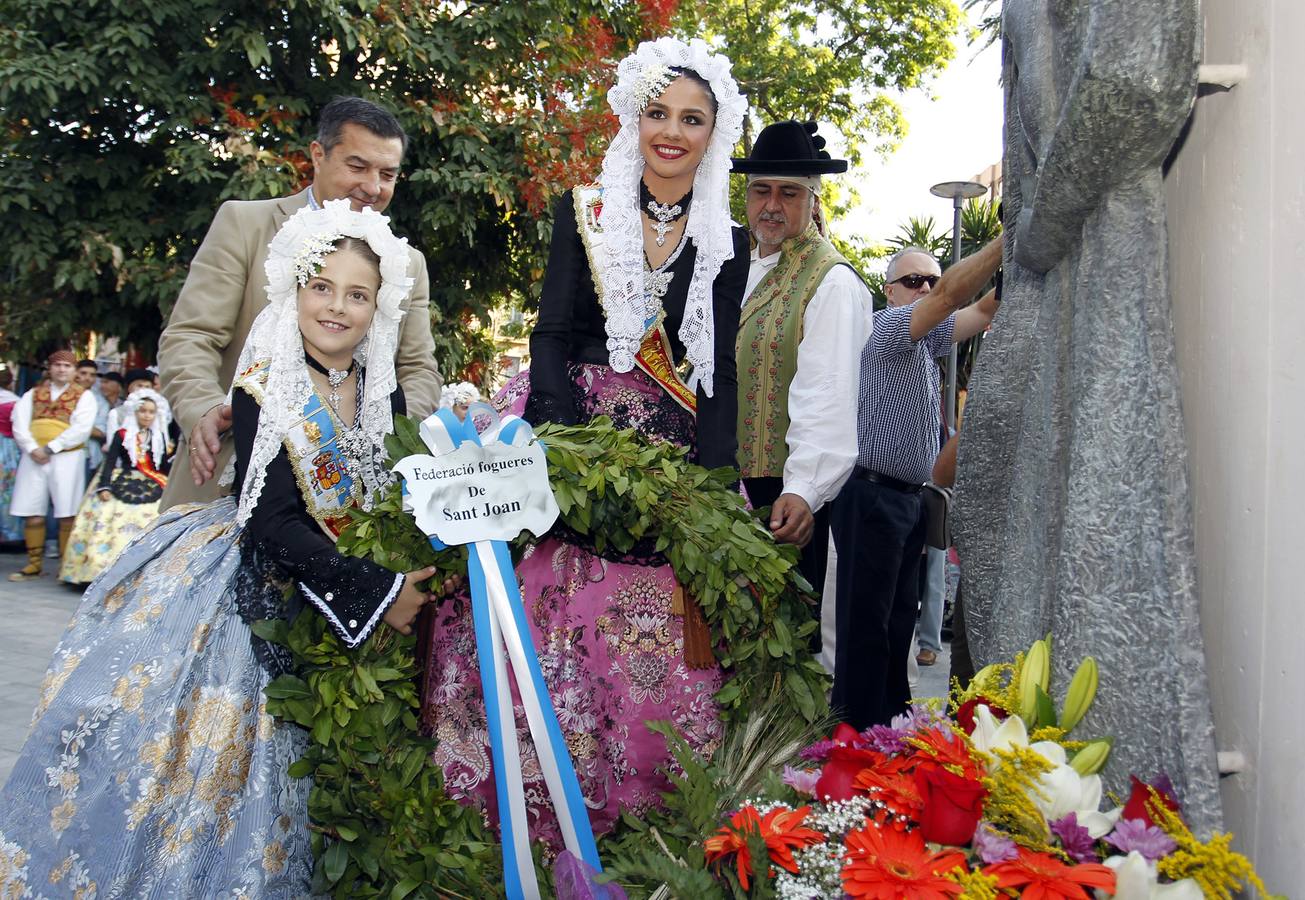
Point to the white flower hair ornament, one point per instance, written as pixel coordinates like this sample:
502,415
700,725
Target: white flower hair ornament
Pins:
640,79
294,256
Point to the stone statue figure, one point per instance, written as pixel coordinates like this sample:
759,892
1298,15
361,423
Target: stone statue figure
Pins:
1072,499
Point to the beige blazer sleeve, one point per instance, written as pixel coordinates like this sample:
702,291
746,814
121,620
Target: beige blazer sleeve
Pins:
415,366
203,321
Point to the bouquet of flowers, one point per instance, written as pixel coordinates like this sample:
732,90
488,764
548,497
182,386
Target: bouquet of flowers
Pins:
990,798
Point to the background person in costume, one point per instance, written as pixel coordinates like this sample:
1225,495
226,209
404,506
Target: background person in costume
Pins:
357,156
124,499
610,631
806,315
112,389
86,376
51,424
11,528
136,380
151,726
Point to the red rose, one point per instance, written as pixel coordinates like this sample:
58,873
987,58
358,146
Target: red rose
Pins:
1135,808
965,714
952,805
844,734
842,768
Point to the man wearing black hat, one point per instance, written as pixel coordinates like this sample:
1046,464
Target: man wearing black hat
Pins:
806,316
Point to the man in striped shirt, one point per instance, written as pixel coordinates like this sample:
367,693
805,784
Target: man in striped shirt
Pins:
877,520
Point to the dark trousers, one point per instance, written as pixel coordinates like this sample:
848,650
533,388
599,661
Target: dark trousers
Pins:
879,532
815,555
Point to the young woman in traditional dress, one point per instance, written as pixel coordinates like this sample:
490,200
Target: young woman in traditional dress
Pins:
124,499
644,272
152,768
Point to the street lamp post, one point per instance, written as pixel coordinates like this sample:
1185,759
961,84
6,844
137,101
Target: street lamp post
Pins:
958,191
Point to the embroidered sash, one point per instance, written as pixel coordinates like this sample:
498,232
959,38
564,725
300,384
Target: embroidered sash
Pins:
51,418
654,357
144,464
321,470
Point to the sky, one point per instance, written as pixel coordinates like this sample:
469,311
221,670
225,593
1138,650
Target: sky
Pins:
954,133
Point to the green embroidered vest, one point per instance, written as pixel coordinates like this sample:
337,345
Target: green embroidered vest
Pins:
770,329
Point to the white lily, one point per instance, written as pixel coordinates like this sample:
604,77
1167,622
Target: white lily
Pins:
1069,792
990,735
1135,879
1066,791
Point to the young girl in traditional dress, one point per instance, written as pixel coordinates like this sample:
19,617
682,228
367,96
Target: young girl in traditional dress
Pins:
124,499
645,271
152,768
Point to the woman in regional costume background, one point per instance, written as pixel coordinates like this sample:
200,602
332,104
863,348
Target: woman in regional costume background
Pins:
665,284
152,766
11,528
124,498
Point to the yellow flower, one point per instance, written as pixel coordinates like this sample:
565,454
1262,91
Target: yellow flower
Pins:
975,885
1214,865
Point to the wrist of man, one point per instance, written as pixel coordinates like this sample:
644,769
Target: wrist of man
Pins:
807,492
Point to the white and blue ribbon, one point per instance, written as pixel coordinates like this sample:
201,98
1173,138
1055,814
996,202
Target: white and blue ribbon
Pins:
500,623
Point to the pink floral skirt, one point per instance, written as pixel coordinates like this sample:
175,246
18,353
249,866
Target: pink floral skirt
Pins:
611,651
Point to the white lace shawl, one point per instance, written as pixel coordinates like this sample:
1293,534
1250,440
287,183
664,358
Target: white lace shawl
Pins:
626,306
294,254
158,429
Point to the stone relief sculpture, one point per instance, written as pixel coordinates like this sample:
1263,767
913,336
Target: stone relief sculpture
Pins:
1073,511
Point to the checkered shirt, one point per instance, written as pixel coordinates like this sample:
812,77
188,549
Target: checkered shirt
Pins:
899,410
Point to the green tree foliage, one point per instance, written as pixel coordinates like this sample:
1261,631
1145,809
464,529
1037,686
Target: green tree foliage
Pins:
126,123
830,60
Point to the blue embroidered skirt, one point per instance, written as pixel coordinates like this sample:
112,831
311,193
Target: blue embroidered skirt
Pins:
152,768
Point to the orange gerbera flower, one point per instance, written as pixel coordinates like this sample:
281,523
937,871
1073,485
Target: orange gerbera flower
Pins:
896,790
949,749
781,828
1043,877
883,864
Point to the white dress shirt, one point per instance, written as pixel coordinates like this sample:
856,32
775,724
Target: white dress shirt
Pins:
823,395
79,425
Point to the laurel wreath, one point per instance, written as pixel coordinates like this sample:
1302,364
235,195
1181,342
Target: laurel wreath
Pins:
383,826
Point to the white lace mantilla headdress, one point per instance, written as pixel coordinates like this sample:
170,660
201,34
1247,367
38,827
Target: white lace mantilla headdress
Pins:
640,79
294,256
158,429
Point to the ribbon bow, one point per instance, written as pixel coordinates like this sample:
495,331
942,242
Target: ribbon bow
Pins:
500,623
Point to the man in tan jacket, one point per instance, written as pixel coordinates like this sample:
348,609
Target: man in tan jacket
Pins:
357,154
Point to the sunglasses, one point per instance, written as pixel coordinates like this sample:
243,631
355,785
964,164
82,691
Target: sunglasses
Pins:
913,282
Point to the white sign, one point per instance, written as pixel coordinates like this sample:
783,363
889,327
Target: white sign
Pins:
476,493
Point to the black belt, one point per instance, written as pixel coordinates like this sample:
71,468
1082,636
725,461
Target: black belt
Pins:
896,484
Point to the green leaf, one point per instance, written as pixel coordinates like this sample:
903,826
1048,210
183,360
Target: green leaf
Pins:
1045,708
335,861
286,687
404,888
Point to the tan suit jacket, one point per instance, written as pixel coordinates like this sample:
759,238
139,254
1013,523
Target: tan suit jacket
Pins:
225,289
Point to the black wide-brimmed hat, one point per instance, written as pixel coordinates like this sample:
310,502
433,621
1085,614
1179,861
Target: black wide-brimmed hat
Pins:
789,148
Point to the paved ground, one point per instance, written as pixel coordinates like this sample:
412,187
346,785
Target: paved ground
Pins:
931,681
34,614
